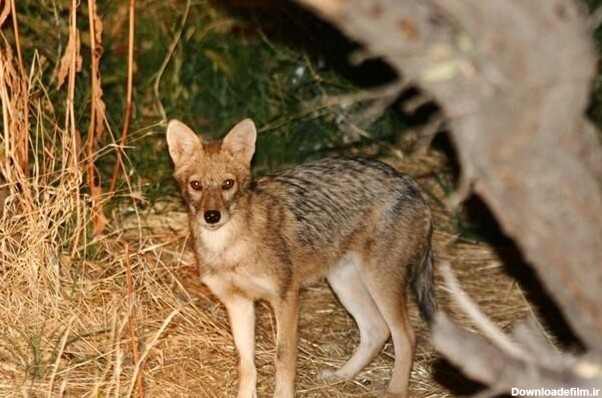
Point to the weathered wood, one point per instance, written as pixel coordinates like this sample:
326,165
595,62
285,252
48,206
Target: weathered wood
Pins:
513,78
501,371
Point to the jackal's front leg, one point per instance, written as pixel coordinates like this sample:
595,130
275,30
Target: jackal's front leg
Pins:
287,315
242,322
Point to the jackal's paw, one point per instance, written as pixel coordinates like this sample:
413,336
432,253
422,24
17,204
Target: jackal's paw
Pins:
331,375
328,375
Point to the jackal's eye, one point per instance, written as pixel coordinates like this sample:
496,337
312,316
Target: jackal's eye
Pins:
227,184
196,185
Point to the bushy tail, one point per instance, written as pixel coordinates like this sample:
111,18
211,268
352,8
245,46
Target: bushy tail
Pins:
422,282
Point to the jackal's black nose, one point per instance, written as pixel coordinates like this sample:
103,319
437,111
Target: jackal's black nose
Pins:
212,216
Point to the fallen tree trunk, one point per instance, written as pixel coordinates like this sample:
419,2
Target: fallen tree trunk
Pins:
513,78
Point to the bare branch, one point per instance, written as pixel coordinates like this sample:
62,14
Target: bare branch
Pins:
515,102
484,324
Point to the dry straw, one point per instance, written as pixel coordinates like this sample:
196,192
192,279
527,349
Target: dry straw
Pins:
121,314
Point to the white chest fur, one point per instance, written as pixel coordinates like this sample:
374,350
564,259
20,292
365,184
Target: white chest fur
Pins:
253,287
233,259
223,247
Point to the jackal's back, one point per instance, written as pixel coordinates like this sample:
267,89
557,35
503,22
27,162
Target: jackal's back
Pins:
332,197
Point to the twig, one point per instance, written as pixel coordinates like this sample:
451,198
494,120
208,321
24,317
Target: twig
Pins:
128,103
5,10
386,92
17,37
96,120
172,48
427,133
481,321
61,349
412,104
132,319
150,346
70,124
20,149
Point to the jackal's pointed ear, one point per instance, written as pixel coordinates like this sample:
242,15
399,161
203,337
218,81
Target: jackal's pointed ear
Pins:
182,141
240,141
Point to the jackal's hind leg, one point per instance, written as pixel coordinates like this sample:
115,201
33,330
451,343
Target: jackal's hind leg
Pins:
390,297
345,280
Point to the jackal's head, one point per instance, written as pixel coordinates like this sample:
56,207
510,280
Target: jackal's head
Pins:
212,176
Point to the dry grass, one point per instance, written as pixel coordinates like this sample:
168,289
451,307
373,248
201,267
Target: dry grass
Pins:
71,321
121,314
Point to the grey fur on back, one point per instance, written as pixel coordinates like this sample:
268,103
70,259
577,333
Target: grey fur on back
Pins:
330,198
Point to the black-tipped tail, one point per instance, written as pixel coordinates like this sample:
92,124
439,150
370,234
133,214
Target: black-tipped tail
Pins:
423,283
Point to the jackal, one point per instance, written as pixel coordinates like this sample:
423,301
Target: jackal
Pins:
356,222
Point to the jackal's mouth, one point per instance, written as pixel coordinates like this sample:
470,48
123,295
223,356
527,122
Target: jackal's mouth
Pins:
212,227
